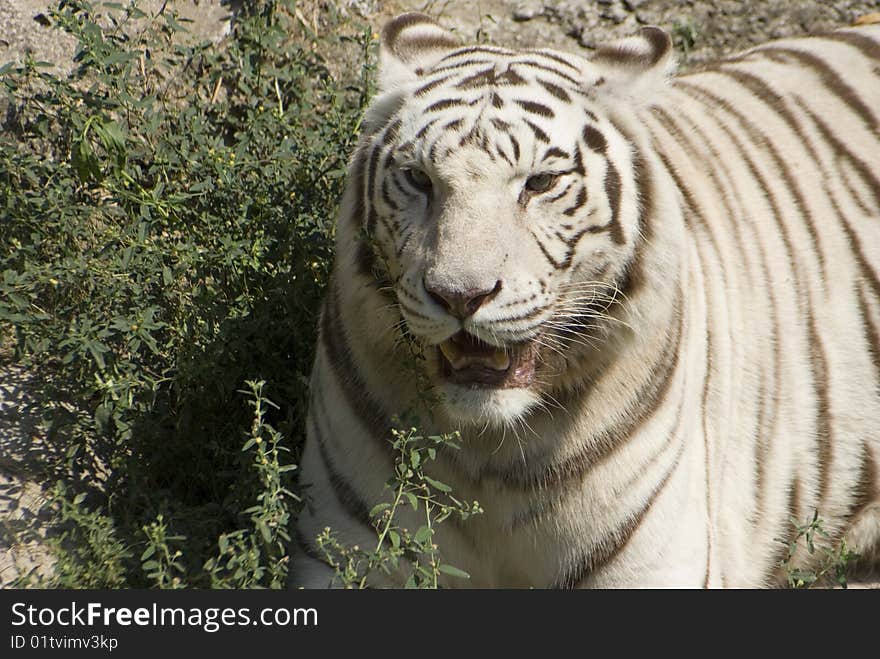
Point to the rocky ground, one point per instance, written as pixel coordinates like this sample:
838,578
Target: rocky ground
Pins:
712,28
703,30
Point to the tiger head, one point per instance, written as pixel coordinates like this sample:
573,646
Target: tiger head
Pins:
498,199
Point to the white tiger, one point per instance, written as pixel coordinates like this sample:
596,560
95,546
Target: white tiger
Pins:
650,304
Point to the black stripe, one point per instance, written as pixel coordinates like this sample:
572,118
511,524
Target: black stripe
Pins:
388,136
868,47
401,187
510,78
424,129
514,143
872,337
554,152
470,50
459,65
594,139
674,131
556,58
556,265
786,531
488,78
870,277
503,155
347,372
865,492
535,108
578,160
693,212
554,90
540,135
404,239
386,196
613,191
424,89
824,436
549,69
445,104
364,257
349,500
480,79
634,277
830,78
842,151
579,202
615,542
560,195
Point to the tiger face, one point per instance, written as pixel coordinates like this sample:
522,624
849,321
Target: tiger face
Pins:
500,205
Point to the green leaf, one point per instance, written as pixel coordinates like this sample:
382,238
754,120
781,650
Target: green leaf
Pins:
110,135
423,535
437,485
379,508
454,571
84,162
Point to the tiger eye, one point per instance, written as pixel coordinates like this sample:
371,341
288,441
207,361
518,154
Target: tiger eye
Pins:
541,182
418,179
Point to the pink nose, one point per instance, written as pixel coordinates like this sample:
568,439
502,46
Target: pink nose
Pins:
461,304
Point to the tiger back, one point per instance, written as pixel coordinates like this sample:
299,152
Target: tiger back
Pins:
649,304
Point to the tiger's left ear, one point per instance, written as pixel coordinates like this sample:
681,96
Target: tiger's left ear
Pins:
633,68
410,44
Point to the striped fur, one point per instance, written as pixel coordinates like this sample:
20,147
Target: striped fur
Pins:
696,281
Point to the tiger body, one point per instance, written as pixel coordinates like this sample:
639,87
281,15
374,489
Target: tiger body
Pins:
689,313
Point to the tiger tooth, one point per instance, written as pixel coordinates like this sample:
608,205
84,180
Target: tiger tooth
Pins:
452,353
500,360
458,358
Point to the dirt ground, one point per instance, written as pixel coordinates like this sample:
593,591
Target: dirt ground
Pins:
716,27
709,29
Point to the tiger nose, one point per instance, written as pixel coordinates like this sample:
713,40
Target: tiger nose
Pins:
461,304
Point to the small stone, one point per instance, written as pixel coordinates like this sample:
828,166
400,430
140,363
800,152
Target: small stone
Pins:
587,40
617,14
632,5
527,11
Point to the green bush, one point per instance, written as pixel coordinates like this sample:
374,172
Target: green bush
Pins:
166,235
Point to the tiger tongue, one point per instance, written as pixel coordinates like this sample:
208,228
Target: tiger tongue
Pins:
462,354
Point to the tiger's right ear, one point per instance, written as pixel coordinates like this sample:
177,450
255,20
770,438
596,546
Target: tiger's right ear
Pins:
411,43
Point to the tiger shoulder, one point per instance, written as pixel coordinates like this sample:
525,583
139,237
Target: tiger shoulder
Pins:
648,303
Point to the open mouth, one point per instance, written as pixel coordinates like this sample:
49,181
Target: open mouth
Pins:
466,360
